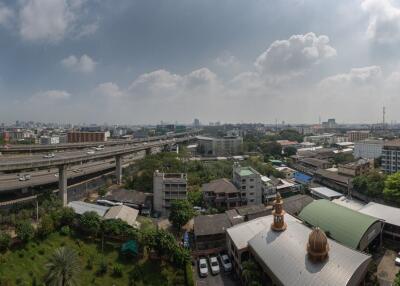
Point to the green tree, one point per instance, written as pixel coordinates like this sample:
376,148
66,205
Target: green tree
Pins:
5,241
90,223
289,151
24,231
371,184
195,197
46,226
271,149
181,212
63,268
396,281
251,273
392,188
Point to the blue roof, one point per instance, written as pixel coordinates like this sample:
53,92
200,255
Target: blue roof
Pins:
302,178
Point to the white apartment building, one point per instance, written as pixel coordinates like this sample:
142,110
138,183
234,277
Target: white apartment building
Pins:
368,149
249,183
48,140
168,187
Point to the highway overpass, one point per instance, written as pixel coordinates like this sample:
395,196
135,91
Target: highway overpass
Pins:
36,148
63,160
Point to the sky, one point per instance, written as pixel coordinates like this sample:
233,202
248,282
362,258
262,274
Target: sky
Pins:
140,62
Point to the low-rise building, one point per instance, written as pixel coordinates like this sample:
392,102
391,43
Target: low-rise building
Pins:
391,156
221,193
357,135
226,146
357,168
209,232
325,193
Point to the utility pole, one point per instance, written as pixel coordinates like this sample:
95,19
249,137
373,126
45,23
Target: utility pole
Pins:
383,117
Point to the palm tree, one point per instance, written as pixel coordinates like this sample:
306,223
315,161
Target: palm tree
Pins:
63,268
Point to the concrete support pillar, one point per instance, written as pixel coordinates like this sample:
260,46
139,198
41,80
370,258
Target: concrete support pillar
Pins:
62,184
118,169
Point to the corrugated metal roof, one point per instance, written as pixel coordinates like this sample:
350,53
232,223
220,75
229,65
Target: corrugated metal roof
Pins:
285,255
325,192
240,234
81,207
342,224
388,214
124,213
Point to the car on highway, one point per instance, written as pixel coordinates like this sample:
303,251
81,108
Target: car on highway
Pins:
99,148
226,262
90,152
49,156
214,265
397,259
24,178
203,267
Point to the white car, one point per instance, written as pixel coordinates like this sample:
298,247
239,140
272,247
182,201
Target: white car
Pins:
397,259
203,267
99,148
226,263
90,152
49,156
214,265
22,178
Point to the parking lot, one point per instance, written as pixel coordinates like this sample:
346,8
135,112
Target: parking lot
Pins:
222,279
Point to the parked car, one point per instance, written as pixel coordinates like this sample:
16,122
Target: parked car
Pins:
203,267
214,265
397,259
226,262
49,156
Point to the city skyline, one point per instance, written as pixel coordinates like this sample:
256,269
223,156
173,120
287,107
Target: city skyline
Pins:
140,62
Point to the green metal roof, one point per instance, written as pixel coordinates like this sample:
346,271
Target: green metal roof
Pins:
340,223
245,171
130,247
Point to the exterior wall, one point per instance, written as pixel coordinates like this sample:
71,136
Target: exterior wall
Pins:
222,200
354,171
355,136
250,186
227,146
368,150
391,159
370,235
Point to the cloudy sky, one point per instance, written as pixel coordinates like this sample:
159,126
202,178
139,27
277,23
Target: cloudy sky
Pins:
134,62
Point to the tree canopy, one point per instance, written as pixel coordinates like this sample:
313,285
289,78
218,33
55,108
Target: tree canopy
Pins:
392,188
181,212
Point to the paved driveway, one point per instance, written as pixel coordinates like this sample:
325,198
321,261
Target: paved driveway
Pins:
387,270
222,279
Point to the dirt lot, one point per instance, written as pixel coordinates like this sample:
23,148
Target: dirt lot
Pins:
387,270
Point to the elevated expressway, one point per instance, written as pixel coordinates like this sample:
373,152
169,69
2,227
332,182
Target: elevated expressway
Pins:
18,149
64,160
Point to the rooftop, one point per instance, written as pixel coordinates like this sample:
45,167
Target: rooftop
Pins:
389,214
295,204
124,213
325,192
246,171
220,186
340,223
285,255
80,208
211,224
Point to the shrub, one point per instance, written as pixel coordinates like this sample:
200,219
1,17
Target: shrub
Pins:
46,226
5,241
65,230
25,231
117,271
90,223
103,267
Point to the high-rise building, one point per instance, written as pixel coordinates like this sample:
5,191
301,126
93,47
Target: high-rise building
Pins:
196,122
168,187
368,149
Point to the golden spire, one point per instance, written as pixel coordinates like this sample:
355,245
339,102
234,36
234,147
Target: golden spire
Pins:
278,213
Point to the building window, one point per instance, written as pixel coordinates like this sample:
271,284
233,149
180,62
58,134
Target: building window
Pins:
243,187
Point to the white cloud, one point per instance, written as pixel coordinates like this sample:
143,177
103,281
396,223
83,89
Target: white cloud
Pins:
384,20
52,20
52,95
227,60
84,64
357,76
109,89
6,14
286,58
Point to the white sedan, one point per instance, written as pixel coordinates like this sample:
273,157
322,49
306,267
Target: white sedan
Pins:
203,267
214,265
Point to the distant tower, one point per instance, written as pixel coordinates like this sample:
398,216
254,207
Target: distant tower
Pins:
383,117
278,213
